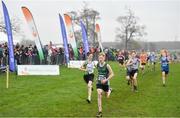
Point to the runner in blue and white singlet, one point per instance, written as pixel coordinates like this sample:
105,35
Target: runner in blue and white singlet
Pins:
164,60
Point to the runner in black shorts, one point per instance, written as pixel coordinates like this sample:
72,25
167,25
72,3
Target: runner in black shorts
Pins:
121,60
164,66
133,63
105,73
88,67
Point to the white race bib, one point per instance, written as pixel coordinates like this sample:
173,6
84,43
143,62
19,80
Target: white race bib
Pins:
101,77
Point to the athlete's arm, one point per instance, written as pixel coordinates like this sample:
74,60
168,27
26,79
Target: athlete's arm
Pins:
83,67
160,60
168,59
138,60
95,64
129,62
111,73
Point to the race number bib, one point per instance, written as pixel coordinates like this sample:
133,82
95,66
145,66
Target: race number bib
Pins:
101,77
164,64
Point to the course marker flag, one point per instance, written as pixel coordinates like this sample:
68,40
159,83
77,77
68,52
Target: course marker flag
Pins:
10,38
33,29
70,34
64,36
97,30
84,38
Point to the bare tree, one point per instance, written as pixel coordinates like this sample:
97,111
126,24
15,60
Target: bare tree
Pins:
89,17
15,25
129,29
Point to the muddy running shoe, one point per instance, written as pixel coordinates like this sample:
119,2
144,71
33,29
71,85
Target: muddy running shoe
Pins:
99,114
89,101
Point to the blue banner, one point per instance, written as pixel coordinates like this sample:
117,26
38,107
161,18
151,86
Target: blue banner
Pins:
64,36
10,38
84,38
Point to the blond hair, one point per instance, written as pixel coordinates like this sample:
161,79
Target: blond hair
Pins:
102,54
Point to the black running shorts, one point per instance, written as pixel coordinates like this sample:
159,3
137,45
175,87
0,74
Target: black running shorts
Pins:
133,72
88,77
104,87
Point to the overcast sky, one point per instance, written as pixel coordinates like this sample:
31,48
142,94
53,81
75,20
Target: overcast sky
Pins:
162,18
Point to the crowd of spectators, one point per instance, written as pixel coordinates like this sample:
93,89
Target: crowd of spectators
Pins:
53,55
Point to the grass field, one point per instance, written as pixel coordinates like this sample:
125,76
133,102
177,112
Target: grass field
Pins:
65,95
